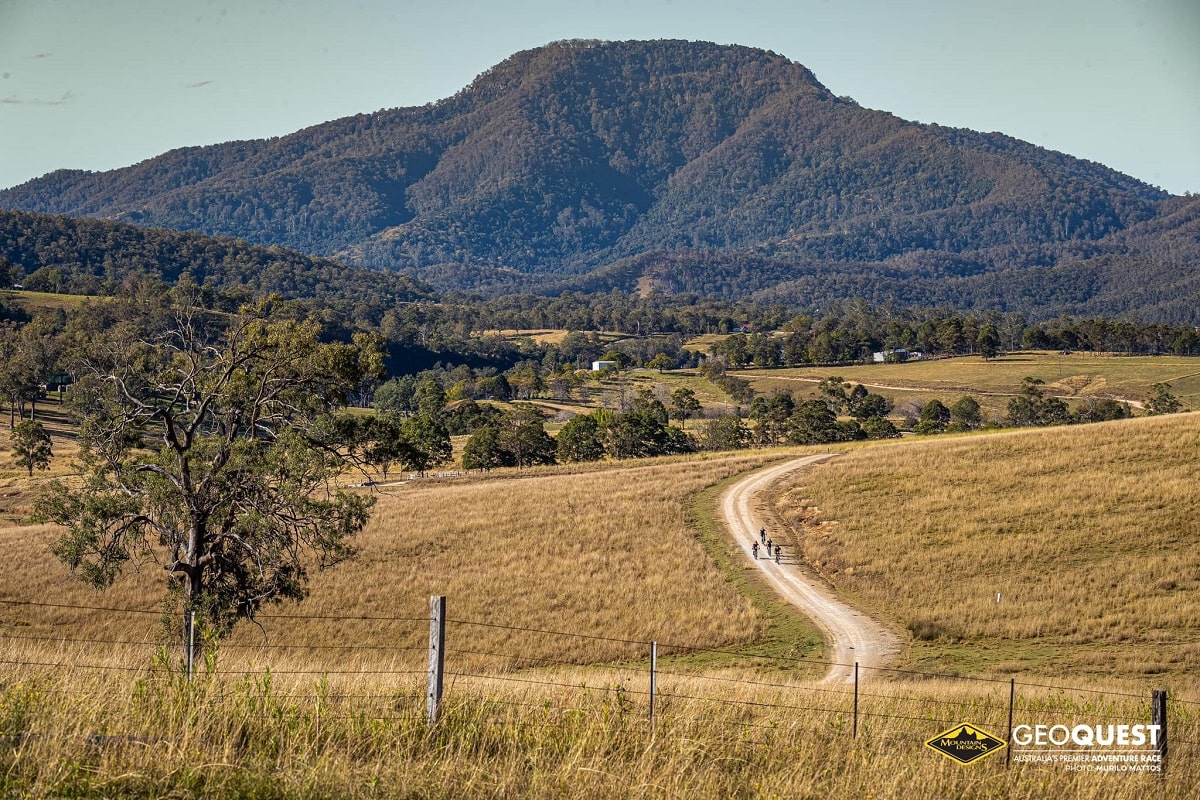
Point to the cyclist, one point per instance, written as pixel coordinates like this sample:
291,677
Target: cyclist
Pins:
778,552
754,549
762,534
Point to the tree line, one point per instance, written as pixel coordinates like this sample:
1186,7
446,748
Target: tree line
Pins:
458,343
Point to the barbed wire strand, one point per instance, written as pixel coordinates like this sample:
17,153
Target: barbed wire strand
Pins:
746,682
667,645
511,679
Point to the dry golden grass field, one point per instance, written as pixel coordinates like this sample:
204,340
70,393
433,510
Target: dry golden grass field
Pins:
549,335
704,342
993,382
557,579
155,736
606,551
1089,535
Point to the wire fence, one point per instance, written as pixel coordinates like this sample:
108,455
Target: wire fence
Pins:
748,691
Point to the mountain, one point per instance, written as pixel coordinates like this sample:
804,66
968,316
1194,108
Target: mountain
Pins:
669,165
1146,271
87,256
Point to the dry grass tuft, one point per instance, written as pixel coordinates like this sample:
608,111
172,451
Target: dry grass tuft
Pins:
154,735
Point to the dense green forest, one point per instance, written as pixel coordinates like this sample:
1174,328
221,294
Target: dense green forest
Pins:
681,167
55,253
96,257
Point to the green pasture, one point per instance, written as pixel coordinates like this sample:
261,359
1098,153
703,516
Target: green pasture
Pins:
1075,375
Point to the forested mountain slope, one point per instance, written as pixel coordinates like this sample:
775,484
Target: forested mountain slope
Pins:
85,256
591,165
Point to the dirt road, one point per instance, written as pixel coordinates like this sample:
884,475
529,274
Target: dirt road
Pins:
851,636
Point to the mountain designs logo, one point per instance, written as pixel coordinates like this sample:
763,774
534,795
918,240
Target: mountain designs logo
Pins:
965,743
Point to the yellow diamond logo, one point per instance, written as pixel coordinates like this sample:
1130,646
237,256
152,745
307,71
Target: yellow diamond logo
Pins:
965,743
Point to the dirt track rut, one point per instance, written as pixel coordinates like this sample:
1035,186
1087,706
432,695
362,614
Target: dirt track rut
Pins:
852,636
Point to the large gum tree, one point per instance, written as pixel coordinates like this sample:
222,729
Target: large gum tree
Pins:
215,450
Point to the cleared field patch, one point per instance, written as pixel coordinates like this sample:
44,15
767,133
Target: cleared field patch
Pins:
539,335
548,335
1077,374
43,301
17,489
1089,536
704,342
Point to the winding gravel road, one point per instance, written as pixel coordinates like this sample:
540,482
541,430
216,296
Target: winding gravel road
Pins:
852,636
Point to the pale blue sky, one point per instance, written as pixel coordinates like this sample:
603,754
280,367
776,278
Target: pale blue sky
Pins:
97,84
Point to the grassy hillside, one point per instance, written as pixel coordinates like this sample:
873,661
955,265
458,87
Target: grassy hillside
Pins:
606,551
993,383
1074,377
1088,534
1073,374
30,302
558,578
614,550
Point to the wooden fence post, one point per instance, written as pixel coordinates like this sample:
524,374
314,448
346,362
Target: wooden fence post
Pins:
653,681
1012,696
189,642
1158,716
855,699
437,647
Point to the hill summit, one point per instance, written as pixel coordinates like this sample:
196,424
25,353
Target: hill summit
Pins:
664,165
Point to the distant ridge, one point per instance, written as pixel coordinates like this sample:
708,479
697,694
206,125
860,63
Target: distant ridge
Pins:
672,166
87,256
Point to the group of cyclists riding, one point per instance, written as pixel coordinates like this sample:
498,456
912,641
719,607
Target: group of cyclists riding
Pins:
778,549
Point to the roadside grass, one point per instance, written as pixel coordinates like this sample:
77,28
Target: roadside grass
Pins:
154,735
1088,534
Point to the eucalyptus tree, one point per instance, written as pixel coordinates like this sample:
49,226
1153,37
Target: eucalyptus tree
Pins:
684,404
214,449
31,445
1161,401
